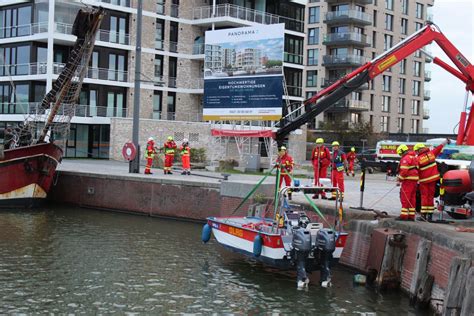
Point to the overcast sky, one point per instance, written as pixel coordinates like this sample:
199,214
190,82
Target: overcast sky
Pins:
455,18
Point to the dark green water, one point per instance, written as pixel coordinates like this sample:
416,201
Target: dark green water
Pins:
72,260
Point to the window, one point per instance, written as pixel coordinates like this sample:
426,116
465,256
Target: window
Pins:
294,81
388,40
311,78
416,88
385,103
418,53
309,94
159,34
403,67
405,7
158,69
355,118
293,49
404,24
419,11
171,103
415,107
414,126
371,102
157,104
389,5
313,55
418,26
17,57
416,68
374,18
401,85
313,37
116,68
118,29
384,123
389,22
313,15
401,106
400,123
386,83
115,104
174,37
172,71
160,6
15,22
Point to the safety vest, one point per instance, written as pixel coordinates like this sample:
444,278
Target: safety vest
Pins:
169,148
321,156
185,150
285,164
150,150
427,168
338,160
407,170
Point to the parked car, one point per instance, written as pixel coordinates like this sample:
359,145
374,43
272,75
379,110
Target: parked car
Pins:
368,155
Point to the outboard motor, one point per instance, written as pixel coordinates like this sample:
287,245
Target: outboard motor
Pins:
302,247
325,246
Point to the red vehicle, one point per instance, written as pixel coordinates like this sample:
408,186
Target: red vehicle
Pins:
362,75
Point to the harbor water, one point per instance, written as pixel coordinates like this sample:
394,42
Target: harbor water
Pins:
73,260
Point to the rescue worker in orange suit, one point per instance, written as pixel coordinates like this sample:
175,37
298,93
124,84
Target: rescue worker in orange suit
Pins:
351,158
408,177
150,152
285,164
170,147
320,157
429,176
338,165
185,157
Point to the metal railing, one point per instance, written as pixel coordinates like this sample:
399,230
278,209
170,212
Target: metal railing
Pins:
426,113
97,73
173,47
358,105
123,3
80,110
333,16
294,91
353,37
102,35
427,75
23,30
23,69
293,58
344,59
243,13
427,95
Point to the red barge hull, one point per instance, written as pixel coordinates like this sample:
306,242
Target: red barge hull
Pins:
26,174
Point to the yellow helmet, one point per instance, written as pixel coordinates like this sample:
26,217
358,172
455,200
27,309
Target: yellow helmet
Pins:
319,141
335,143
170,137
419,146
353,149
282,148
402,149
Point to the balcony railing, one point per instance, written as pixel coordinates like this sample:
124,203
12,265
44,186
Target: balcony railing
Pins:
102,35
123,3
347,38
426,114
344,60
193,49
427,95
349,105
293,58
348,16
427,75
80,110
294,91
246,14
23,69
179,83
23,30
97,73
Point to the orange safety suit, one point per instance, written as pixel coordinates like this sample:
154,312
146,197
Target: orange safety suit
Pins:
170,147
408,176
429,175
186,157
285,164
351,157
321,159
149,155
337,171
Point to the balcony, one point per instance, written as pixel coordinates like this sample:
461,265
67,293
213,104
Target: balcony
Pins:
23,69
426,95
348,17
364,2
325,82
97,73
102,35
349,106
344,60
179,83
427,75
80,110
347,38
180,48
203,15
23,30
426,114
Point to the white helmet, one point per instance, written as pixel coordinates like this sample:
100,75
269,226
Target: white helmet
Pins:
150,139
185,140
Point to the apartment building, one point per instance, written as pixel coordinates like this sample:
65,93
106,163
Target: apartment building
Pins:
35,40
343,35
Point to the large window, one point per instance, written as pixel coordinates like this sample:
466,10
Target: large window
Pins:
387,83
414,126
15,60
415,107
389,5
311,78
293,50
419,10
313,15
416,68
385,103
115,104
384,123
15,21
401,106
118,30
400,123
174,37
171,103
403,67
294,81
313,36
172,71
159,34
388,41
404,26
401,85
158,69
157,104
389,22
313,55
405,7
416,88
116,70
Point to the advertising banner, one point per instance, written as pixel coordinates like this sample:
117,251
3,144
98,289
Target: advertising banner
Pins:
243,73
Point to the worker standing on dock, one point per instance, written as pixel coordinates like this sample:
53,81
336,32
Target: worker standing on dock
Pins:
351,158
408,177
285,164
150,152
170,147
320,157
339,163
185,157
429,175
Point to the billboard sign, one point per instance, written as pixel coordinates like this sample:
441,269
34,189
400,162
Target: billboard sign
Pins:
243,73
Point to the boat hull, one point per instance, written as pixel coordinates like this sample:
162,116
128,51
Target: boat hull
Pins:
26,174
